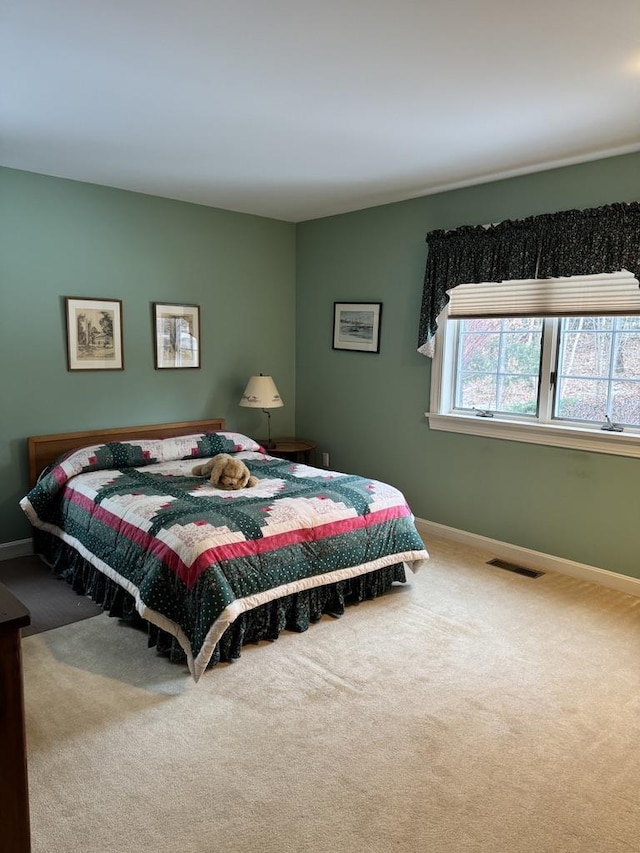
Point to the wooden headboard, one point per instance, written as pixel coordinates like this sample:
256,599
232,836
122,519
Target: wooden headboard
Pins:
43,449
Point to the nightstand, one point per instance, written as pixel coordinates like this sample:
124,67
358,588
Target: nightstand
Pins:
295,449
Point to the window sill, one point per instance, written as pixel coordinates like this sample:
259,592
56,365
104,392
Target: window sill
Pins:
575,438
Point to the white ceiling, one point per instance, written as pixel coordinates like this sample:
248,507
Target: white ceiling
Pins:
297,109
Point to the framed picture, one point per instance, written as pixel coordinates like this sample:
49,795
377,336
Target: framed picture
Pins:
356,326
94,334
176,330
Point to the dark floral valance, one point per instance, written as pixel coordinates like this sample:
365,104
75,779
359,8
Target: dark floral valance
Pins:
571,242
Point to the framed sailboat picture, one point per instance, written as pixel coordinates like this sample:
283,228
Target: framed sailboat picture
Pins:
356,326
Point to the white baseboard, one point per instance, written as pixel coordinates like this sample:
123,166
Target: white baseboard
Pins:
19,548
530,559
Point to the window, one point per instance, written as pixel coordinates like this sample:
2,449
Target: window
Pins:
572,381
598,370
497,365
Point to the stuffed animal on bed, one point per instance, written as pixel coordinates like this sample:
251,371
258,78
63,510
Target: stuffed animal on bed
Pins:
226,472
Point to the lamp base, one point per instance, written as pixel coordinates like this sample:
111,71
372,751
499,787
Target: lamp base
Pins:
268,444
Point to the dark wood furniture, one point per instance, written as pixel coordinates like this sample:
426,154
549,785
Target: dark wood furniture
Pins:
295,449
43,449
15,831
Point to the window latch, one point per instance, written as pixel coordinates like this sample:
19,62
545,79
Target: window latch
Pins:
610,426
483,413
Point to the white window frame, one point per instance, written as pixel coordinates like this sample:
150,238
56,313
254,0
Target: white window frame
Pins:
512,428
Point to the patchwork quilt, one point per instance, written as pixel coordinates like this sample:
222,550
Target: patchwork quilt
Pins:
195,557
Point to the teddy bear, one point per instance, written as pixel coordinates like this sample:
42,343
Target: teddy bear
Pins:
226,472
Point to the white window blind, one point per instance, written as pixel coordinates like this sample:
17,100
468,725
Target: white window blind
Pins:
579,295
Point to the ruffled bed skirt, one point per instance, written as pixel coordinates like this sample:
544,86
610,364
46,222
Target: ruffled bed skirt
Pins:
294,612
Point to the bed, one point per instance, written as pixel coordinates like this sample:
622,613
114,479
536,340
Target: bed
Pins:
120,515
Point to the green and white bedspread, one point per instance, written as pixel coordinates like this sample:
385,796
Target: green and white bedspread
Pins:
195,557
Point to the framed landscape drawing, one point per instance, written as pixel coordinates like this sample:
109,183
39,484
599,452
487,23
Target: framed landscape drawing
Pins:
356,326
94,334
177,335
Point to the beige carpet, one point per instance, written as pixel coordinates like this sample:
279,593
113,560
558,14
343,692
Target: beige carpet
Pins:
471,710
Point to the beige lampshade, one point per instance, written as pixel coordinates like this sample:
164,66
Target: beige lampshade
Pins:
261,393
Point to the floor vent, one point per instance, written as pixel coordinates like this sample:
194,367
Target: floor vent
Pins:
511,567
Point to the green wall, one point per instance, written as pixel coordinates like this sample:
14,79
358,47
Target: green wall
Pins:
60,238
368,410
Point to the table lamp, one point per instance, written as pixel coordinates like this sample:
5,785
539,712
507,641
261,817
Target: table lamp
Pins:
261,393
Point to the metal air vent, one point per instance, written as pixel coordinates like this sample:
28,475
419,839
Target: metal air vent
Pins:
512,567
